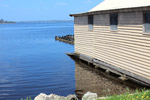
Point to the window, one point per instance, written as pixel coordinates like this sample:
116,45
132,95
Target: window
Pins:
113,22
90,22
146,19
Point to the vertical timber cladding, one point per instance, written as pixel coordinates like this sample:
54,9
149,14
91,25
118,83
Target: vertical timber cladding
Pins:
83,36
127,48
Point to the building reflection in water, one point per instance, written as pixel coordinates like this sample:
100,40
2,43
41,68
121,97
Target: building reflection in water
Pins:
97,81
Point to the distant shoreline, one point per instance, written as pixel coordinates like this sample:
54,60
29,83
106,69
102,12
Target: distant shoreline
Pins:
51,21
8,23
2,21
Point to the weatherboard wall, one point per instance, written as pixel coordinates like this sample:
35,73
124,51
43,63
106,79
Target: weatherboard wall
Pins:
127,48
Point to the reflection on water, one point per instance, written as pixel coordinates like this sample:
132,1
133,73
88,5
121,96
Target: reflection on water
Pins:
96,81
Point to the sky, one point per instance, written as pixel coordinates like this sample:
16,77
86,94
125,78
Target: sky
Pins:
42,10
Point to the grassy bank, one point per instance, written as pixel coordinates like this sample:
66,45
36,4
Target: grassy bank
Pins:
138,95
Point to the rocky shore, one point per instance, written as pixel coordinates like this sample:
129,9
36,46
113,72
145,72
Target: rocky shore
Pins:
87,96
67,39
137,95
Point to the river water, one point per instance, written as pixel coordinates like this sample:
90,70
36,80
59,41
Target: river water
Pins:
32,62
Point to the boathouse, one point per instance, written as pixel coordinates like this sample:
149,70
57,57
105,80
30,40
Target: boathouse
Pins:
115,35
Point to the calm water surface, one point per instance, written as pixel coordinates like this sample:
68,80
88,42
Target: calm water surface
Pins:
31,62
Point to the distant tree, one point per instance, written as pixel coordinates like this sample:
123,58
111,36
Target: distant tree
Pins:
2,20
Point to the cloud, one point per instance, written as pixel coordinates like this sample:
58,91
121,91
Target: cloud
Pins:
61,4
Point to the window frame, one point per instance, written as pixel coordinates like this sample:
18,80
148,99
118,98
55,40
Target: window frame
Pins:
144,23
113,21
90,22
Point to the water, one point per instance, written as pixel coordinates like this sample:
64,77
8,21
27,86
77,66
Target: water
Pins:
32,62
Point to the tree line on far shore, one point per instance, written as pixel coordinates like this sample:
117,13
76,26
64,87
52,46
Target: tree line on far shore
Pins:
5,21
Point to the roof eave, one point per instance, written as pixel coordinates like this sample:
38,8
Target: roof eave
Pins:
136,9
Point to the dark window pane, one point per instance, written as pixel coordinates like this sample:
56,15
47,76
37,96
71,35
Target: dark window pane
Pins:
90,19
147,17
113,19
